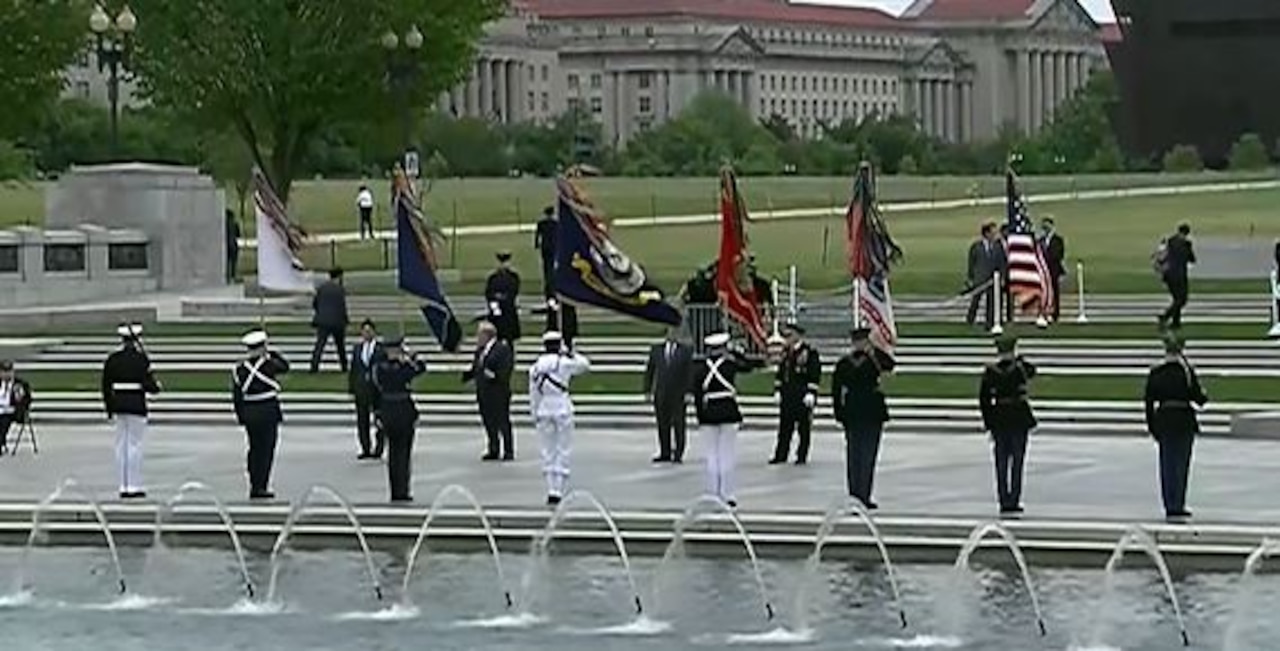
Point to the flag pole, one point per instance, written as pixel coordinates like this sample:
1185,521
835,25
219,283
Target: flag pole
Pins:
1275,304
774,287
857,302
792,306
262,307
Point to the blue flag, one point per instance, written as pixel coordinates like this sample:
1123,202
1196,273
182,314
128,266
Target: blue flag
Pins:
591,270
416,266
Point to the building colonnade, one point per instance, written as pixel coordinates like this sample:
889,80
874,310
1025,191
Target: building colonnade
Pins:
1046,78
944,107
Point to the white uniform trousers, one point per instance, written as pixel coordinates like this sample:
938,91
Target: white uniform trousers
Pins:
129,431
720,450
555,434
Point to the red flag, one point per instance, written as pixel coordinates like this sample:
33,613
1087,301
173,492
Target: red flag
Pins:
733,282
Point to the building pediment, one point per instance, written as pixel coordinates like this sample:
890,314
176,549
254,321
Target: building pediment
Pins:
940,56
1062,16
739,44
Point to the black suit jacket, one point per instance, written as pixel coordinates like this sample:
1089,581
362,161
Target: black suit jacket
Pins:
1055,254
985,261
1180,255
668,380
492,371
20,399
360,379
330,307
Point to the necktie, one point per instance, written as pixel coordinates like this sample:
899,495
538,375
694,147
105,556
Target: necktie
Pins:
368,352
671,350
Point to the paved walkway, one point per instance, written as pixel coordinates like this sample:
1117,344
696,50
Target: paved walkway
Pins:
1068,477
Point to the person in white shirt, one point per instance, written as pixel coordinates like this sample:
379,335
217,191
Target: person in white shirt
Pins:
552,409
15,399
364,203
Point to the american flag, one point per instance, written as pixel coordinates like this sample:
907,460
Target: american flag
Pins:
871,253
1029,285
266,201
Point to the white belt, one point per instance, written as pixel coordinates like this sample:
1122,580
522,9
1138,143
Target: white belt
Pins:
7,410
126,386
259,397
720,395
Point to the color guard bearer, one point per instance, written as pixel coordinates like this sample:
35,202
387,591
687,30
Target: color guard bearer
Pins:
127,380
255,391
552,409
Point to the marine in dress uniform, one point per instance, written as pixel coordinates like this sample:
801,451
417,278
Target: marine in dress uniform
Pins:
715,397
491,372
15,402
552,409
127,380
255,391
1172,394
365,355
1006,414
393,377
795,389
860,407
501,291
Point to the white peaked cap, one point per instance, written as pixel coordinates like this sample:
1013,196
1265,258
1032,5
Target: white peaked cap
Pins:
716,339
125,330
254,338
552,335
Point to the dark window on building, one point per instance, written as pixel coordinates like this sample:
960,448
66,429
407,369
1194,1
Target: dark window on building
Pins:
9,259
130,256
64,257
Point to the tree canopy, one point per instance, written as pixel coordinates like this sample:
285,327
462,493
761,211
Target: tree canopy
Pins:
40,38
279,73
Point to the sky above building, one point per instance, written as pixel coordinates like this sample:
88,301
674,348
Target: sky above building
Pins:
1100,9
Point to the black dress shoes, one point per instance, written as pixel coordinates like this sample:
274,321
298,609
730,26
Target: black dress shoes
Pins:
489,456
263,495
775,461
662,459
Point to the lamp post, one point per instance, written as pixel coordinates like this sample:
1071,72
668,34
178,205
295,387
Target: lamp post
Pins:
402,73
114,39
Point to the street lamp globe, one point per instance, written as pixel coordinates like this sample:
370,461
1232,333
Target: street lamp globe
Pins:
413,38
390,41
99,21
126,22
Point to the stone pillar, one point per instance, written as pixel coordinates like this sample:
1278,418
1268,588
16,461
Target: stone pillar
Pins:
1046,76
500,108
751,89
1060,79
1084,70
935,106
953,111
966,111
473,91
720,84
486,89
614,91
662,95
1024,90
914,96
1037,91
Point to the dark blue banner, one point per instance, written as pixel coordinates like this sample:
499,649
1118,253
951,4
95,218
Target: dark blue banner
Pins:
591,270
417,271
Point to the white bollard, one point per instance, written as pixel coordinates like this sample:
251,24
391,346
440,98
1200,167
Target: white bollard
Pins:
997,292
857,302
794,315
1274,333
776,311
1081,316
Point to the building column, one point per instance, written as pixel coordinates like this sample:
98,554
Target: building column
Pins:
473,91
662,95
1023,94
751,89
935,107
458,100
1060,79
1036,92
1046,66
966,111
1083,70
500,106
486,89
953,111
915,97
615,107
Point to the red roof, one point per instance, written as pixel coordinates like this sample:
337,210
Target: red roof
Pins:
1110,33
961,10
764,11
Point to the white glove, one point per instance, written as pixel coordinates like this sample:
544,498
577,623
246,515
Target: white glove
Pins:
777,397
495,309
810,400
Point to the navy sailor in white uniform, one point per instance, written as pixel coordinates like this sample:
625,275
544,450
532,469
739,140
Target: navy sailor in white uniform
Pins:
255,390
552,409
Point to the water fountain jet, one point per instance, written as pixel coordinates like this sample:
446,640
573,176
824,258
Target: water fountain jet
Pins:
464,493
980,533
169,506
68,485
1139,536
295,514
1252,564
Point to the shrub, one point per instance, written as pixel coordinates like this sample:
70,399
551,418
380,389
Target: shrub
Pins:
1248,153
1183,158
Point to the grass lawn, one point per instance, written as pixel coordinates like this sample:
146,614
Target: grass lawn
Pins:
326,206
925,386
1113,238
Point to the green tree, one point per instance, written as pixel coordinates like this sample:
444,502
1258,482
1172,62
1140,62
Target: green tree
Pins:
1248,153
280,72
1183,158
780,128
712,130
1080,129
40,38
471,146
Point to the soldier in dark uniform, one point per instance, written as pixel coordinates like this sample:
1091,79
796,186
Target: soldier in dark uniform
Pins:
859,406
500,294
1006,413
255,391
393,378
1173,391
715,397
127,380
544,240
795,388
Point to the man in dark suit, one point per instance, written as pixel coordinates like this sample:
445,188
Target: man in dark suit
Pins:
1179,256
233,245
986,258
544,240
15,402
365,355
1055,254
667,375
491,371
330,319
501,292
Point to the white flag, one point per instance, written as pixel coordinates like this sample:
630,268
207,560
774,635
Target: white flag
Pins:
278,266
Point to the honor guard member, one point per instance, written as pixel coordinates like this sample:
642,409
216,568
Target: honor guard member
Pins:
501,291
393,378
127,380
552,409
1006,414
1173,393
715,397
860,408
365,355
255,391
795,389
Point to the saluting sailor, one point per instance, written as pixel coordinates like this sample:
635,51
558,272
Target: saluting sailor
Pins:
716,402
126,381
552,409
255,391
393,377
1006,413
1173,393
